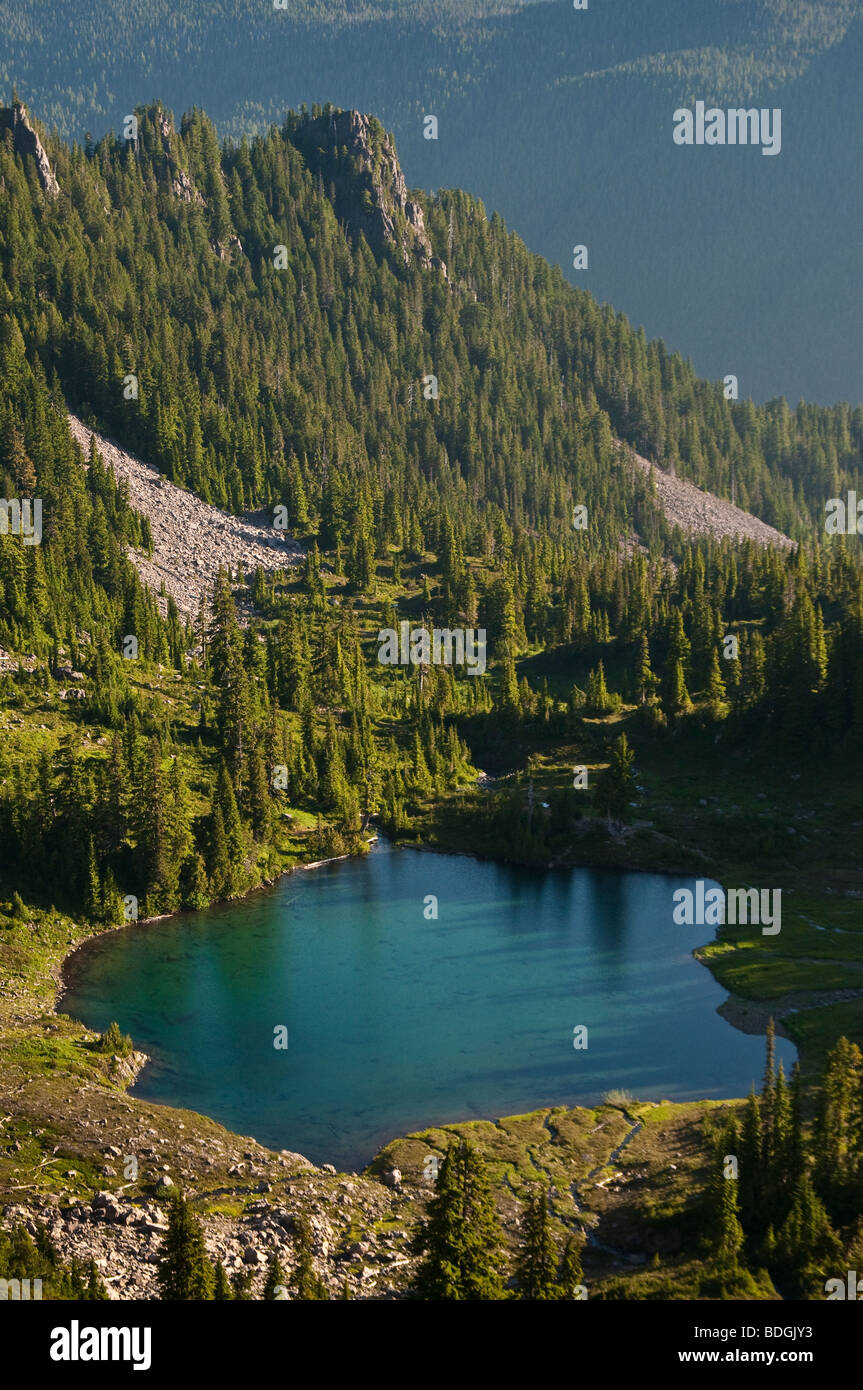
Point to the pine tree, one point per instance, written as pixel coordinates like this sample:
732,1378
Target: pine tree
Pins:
96,1291
839,1127
222,1290
229,679
614,784
275,1282
723,1231
306,1284
570,1276
806,1244
460,1243
768,1098
715,683
796,1144
751,1170
675,696
781,1137
536,1267
218,863
194,888
598,698
645,680
184,1270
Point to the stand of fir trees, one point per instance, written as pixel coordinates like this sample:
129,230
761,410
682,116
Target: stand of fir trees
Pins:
26,1257
780,1200
460,507
186,1272
462,1249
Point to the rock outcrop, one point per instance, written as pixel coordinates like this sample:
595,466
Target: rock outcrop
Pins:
359,169
182,186
27,144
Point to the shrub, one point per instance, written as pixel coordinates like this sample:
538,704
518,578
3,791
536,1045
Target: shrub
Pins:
113,1042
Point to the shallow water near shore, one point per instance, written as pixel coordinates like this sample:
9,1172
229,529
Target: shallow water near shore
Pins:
396,1022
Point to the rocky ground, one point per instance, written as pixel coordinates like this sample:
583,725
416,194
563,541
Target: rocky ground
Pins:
125,1237
700,513
192,540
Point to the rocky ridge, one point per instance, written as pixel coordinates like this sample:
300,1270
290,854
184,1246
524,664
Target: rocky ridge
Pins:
27,144
357,158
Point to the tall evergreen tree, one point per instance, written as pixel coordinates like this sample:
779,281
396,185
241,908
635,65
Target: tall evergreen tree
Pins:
460,1244
184,1270
305,1282
536,1266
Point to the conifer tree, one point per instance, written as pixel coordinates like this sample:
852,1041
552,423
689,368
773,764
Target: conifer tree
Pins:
751,1169
675,696
96,1291
222,1290
184,1270
598,698
305,1282
781,1139
645,680
276,1281
839,1126
806,1244
768,1098
570,1276
796,1143
614,785
460,1243
218,863
715,683
723,1231
536,1267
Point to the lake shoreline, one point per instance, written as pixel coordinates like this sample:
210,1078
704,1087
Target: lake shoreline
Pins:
79,948
564,901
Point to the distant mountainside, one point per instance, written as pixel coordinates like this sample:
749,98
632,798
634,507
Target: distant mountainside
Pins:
222,313
559,119
448,430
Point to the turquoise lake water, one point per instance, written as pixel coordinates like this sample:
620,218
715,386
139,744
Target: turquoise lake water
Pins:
396,1022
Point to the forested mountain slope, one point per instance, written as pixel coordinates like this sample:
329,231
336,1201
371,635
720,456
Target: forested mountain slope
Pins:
559,119
447,426
437,414
160,262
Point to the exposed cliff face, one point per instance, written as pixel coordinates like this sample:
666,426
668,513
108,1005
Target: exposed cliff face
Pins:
358,166
27,144
181,185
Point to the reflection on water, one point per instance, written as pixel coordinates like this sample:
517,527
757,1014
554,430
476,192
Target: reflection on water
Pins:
395,1022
